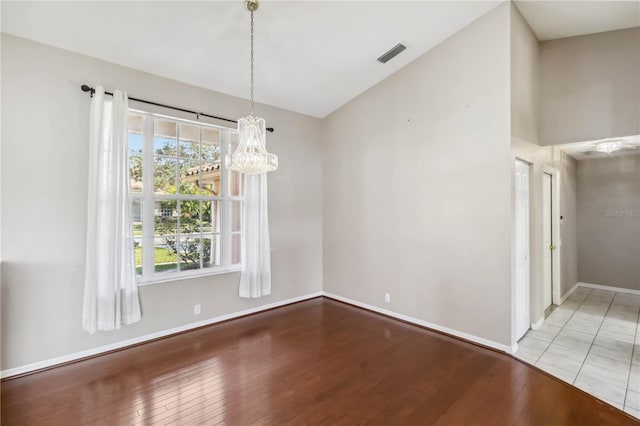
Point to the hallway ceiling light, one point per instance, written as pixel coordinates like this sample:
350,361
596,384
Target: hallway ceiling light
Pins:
608,147
251,156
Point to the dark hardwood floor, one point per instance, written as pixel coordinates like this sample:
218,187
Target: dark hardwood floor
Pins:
314,362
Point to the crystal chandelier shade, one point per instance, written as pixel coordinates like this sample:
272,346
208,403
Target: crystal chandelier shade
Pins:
251,156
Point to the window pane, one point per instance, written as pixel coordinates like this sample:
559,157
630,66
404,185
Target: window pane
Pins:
134,123
136,142
189,217
236,247
236,180
235,215
210,216
210,149
189,178
234,140
135,174
189,141
165,175
210,182
190,249
137,247
236,184
165,217
165,257
164,140
211,250
136,218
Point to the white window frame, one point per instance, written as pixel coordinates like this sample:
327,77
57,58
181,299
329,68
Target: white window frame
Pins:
148,199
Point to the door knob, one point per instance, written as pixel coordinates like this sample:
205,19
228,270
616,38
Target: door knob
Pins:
552,247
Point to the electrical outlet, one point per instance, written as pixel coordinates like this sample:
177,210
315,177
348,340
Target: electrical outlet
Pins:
387,298
196,309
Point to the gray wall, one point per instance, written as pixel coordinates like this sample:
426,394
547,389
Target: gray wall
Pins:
44,151
569,223
417,187
590,87
589,90
525,83
525,145
525,79
609,221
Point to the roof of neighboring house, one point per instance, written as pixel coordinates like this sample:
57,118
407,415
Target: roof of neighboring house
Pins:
209,180
210,175
206,168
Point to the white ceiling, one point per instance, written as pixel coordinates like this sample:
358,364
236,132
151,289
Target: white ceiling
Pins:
553,19
311,56
586,150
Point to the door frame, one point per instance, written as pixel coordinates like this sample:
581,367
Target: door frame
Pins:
556,295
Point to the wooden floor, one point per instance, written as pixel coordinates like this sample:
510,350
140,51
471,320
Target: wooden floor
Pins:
315,362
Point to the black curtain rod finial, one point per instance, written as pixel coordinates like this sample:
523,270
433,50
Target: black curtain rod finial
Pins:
91,90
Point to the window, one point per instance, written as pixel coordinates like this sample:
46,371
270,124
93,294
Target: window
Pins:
186,207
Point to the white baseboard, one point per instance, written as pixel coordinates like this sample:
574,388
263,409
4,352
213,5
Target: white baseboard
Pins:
610,288
536,325
141,339
569,293
164,333
460,334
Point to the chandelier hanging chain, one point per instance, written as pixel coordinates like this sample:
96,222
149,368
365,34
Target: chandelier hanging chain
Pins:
252,54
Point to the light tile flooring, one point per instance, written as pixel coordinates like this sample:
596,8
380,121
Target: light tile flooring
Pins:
593,342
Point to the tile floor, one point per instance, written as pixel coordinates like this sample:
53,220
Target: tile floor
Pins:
593,342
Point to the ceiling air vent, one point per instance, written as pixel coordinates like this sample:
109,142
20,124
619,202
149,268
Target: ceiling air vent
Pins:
391,53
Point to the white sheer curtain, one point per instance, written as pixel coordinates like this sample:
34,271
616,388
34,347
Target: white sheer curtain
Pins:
110,290
255,279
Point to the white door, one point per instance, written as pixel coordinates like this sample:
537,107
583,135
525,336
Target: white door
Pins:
522,248
547,239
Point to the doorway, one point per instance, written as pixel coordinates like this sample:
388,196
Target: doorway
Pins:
522,243
547,243
550,240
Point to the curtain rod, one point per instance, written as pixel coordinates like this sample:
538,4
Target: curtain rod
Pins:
91,90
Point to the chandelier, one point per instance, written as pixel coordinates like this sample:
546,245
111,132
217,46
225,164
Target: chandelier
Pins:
251,156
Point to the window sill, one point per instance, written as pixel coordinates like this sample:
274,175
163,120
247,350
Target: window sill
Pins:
180,276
